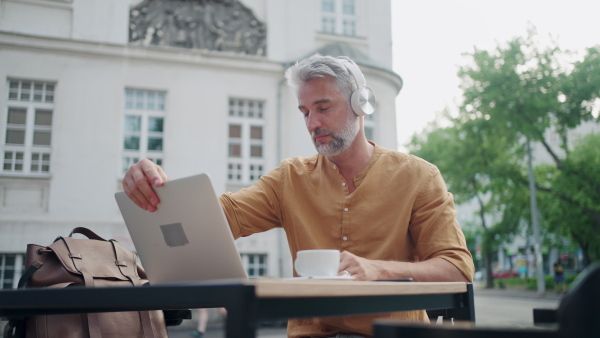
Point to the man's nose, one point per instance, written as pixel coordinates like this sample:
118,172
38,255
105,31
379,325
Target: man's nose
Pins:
313,122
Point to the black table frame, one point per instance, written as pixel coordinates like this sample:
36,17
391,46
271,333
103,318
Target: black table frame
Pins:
244,308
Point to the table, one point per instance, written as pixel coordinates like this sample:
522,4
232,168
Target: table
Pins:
249,302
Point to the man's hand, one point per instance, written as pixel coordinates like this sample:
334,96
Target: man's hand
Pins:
431,270
358,267
138,182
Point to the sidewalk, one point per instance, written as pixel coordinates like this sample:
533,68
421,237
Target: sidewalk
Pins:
516,292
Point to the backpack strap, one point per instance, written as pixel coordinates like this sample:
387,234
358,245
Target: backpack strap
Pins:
86,232
121,263
35,266
93,323
126,262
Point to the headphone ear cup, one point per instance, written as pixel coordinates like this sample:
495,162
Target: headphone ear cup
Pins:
363,101
355,103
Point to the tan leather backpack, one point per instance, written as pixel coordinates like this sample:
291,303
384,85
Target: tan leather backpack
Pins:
93,262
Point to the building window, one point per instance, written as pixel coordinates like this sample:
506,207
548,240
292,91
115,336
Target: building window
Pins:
349,27
339,17
28,131
370,127
328,6
143,127
255,264
246,141
11,268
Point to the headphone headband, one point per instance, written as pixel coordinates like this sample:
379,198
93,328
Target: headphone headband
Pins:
355,71
362,99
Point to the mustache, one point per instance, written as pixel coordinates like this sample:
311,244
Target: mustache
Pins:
321,132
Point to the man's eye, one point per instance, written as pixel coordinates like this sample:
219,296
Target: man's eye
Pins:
323,109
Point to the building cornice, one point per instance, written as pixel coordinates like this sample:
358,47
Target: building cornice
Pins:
168,55
367,65
385,74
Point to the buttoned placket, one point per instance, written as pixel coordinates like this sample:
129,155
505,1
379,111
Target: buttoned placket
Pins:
345,214
345,227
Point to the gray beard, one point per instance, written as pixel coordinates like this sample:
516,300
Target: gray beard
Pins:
339,142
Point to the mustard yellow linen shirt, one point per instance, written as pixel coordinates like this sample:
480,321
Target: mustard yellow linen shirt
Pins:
400,211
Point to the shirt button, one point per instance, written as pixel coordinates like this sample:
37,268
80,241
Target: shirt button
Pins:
343,184
345,209
345,238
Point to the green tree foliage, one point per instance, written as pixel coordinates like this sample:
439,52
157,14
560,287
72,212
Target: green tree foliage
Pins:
529,91
581,90
573,204
522,90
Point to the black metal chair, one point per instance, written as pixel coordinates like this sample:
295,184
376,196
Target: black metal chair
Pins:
578,315
176,317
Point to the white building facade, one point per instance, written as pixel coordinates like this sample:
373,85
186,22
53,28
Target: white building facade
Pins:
89,87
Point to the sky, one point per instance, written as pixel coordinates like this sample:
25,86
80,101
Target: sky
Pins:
430,36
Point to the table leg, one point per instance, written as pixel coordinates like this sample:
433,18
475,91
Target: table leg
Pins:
470,303
466,307
241,314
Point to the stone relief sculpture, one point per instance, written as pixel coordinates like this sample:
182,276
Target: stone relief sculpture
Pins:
222,25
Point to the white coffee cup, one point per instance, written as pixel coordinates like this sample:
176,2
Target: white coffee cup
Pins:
317,263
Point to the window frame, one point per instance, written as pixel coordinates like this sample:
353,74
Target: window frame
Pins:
28,150
245,169
370,126
16,269
256,265
337,21
145,112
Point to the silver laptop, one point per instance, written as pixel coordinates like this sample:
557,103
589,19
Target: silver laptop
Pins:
188,238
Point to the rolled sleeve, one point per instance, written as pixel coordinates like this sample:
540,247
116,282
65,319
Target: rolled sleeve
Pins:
254,209
434,228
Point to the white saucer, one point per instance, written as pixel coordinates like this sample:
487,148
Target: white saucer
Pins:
327,277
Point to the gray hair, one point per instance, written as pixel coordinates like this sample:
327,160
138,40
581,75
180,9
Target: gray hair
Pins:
317,66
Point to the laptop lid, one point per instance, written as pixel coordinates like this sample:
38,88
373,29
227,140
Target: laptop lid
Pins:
188,238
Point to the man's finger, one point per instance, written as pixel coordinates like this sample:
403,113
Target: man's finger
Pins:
152,172
163,175
142,190
134,193
135,200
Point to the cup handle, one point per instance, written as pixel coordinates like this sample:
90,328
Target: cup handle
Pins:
298,266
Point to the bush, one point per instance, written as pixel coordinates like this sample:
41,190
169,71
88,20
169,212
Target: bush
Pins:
549,282
532,283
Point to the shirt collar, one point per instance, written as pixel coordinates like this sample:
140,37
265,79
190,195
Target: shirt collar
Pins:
361,175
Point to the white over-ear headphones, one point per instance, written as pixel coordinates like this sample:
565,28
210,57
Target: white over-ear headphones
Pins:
363,99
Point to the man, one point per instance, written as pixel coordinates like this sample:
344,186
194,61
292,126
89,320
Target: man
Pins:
389,213
559,277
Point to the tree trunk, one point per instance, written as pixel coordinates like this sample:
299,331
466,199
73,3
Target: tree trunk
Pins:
587,259
489,278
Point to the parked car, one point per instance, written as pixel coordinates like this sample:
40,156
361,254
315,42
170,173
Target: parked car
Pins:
478,276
